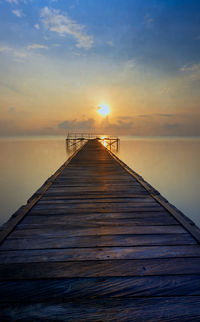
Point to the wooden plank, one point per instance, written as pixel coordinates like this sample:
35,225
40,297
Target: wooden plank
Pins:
73,208
138,309
97,241
80,222
143,199
101,230
95,224
92,195
62,211
108,268
96,189
96,216
112,287
84,174
105,253
100,187
98,219
84,201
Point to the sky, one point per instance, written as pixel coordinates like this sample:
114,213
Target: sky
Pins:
61,59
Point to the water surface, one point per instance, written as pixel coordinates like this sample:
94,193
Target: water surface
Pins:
24,166
172,166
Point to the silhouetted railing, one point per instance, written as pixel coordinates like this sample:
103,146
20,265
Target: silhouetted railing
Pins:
75,140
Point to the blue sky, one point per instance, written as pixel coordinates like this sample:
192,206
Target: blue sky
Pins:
60,59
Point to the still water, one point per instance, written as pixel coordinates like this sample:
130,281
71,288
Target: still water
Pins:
171,165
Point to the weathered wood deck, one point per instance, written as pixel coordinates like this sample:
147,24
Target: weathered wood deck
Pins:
97,243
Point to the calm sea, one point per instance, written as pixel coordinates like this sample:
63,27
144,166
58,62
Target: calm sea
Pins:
171,165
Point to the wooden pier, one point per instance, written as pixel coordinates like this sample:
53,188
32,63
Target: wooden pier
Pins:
98,243
75,140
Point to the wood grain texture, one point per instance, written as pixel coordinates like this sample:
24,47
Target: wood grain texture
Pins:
94,220
108,268
97,241
140,309
76,230
105,253
98,287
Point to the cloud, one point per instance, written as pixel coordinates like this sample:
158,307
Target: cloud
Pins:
16,53
76,54
37,26
12,1
4,49
165,115
110,43
88,125
36,46
191,71
129,66
75,125
20,54
190,68
144,115
171,126
17,13
8,127
122,126
148,20
55,21
12,110
125,117
168,115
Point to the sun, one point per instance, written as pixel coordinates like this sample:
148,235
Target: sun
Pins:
103,109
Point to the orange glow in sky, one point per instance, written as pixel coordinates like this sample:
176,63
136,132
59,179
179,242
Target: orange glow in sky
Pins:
56,71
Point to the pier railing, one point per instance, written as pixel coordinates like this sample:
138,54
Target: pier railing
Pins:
75,140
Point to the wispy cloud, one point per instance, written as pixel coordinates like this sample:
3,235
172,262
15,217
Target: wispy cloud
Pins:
20,54
148,20
8,127
12,1
192,71
190,68
37,46
125,117
55,21
37,26
171,126
17,1
120,126
75,124
144,115
4,49
17,13
110,43
165,115
129,65
12,110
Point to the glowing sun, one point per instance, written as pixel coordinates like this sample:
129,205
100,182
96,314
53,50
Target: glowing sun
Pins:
103,109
